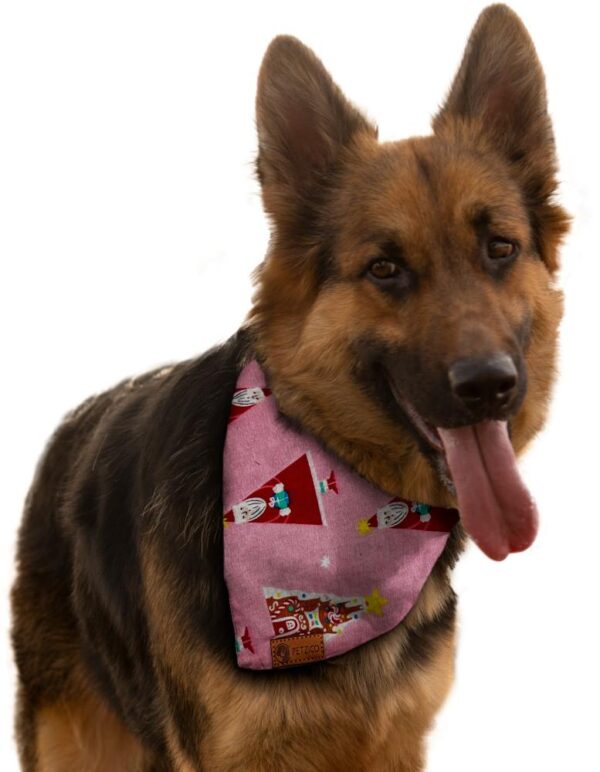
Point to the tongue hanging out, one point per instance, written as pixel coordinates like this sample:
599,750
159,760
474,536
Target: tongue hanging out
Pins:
495,507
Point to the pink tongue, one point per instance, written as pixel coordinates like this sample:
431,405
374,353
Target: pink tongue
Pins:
495,506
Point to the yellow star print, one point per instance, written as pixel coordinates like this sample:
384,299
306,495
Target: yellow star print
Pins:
363,526
374,603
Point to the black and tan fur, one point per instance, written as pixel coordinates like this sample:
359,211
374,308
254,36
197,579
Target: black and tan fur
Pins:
122,632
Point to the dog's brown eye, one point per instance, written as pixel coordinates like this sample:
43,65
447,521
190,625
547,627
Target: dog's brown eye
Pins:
500,249
383,269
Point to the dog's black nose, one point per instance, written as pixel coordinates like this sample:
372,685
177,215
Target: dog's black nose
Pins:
486,385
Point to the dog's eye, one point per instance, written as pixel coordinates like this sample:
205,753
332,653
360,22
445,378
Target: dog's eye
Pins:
390,276
383,269
501,249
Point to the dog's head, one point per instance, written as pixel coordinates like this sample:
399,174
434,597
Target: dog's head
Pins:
408,290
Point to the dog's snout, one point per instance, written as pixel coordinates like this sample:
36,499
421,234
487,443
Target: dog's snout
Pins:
486,385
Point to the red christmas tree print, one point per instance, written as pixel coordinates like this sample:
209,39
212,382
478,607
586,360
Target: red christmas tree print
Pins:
401,513
293,496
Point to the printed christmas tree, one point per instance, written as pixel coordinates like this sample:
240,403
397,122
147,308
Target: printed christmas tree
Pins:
293,496
400,513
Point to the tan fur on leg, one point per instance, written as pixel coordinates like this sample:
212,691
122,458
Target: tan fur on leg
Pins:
85,736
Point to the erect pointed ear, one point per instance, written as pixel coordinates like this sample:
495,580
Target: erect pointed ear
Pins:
303,122
499,93
500,84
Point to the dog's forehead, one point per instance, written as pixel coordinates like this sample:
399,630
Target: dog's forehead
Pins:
422,190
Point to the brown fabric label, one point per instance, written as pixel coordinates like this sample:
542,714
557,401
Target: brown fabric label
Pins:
297,650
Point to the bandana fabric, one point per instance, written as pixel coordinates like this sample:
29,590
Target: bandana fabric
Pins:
317,560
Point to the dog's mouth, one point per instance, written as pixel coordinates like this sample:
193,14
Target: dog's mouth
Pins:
477,462
426,431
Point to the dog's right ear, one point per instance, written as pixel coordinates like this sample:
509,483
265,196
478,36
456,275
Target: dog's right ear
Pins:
303,122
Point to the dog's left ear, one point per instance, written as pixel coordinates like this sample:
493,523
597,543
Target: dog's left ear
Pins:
304,123
499,93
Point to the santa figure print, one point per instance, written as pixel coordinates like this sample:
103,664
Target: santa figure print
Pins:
399,513
293,496
392,514
246,398
250,509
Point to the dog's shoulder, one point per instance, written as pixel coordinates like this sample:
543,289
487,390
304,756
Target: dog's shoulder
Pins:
123,457
146,433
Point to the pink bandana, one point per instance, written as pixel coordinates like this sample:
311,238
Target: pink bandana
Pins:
317,560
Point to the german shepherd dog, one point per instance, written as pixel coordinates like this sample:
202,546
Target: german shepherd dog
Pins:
405,314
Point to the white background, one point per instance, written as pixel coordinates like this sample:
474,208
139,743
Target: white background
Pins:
130,222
